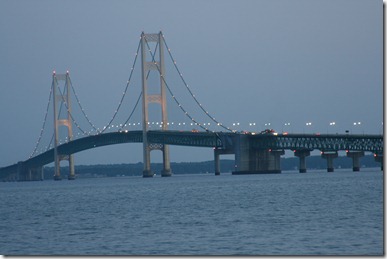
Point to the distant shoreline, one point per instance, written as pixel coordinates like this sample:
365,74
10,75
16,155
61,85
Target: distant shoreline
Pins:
226,165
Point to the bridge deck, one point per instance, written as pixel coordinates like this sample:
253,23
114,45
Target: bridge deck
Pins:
324,142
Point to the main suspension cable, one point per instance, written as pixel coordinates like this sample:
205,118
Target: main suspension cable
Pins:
139,97
124,93
80,106
189,90
44,122
68,111
131,114
171,93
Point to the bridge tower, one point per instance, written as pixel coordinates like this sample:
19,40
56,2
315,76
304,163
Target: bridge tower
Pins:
160,99
59,98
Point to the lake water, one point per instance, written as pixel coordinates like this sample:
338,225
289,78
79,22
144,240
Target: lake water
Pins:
316,213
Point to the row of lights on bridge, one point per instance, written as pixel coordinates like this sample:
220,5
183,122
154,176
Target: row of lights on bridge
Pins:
157,123
205,124
234,124
190,124
288,123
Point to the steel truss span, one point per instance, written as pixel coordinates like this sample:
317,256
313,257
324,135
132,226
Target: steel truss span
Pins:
326,142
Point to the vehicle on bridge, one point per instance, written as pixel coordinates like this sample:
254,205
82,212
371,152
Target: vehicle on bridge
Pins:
268,131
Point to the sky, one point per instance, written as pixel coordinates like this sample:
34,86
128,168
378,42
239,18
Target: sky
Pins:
247,61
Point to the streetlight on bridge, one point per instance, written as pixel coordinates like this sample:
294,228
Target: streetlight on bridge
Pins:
356,124
285,124
308,124
236,126
331,124
252,124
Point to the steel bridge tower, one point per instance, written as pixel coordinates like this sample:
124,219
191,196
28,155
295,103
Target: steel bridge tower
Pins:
59,98
160,99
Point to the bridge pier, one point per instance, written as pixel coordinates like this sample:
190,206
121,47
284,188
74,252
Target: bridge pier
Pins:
23,173
217,153
217,161
302,154
71,168
379,158
355,155
166,172
42,173
275,160
36,174
147,173
242,155
329,156
57,174
255,161
20,172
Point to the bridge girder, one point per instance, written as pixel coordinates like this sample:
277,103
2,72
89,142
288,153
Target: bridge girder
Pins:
197,139
219,140
372,143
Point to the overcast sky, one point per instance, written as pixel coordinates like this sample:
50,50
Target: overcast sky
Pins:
261,61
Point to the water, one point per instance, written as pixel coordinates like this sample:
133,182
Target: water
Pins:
316,213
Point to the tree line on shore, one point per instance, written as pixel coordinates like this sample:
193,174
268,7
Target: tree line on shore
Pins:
226,165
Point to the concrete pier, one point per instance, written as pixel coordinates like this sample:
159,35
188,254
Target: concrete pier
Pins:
36,174
302,154
329,156
242,154
275,160
217,153
217,161
379,158
147,173
255,161
24,173
19,171
166,172
71,168
355,155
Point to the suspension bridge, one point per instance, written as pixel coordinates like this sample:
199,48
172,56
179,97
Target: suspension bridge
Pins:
254,152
